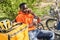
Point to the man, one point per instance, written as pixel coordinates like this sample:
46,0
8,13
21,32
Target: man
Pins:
26,16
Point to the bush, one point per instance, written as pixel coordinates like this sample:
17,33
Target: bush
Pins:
9,8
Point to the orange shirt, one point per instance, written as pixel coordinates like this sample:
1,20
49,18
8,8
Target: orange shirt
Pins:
20,12
25,18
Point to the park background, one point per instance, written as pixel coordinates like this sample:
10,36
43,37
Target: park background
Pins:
9,8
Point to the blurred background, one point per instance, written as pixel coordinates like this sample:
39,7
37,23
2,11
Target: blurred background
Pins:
9,8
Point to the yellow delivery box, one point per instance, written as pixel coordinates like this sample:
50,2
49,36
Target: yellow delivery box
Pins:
17,31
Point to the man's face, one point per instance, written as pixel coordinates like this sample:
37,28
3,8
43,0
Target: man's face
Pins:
24,7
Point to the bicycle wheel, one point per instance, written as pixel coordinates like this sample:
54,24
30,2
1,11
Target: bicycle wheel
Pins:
51,24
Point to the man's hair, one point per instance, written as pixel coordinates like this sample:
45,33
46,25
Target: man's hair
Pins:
22,4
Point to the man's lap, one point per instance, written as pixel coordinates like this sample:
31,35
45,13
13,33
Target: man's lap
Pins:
45,34
40,34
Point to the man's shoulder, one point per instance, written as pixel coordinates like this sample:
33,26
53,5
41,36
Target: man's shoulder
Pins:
30,15
20,15
20,12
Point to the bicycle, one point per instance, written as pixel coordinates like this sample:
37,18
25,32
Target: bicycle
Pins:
51,23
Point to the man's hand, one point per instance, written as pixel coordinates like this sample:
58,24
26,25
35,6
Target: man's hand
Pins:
28,10
30,25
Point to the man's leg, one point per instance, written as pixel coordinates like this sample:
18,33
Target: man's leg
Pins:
33,34
49,35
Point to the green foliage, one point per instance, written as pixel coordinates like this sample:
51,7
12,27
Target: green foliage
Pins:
41,11
9,8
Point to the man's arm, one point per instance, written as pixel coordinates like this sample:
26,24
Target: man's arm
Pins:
13,20
36,17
